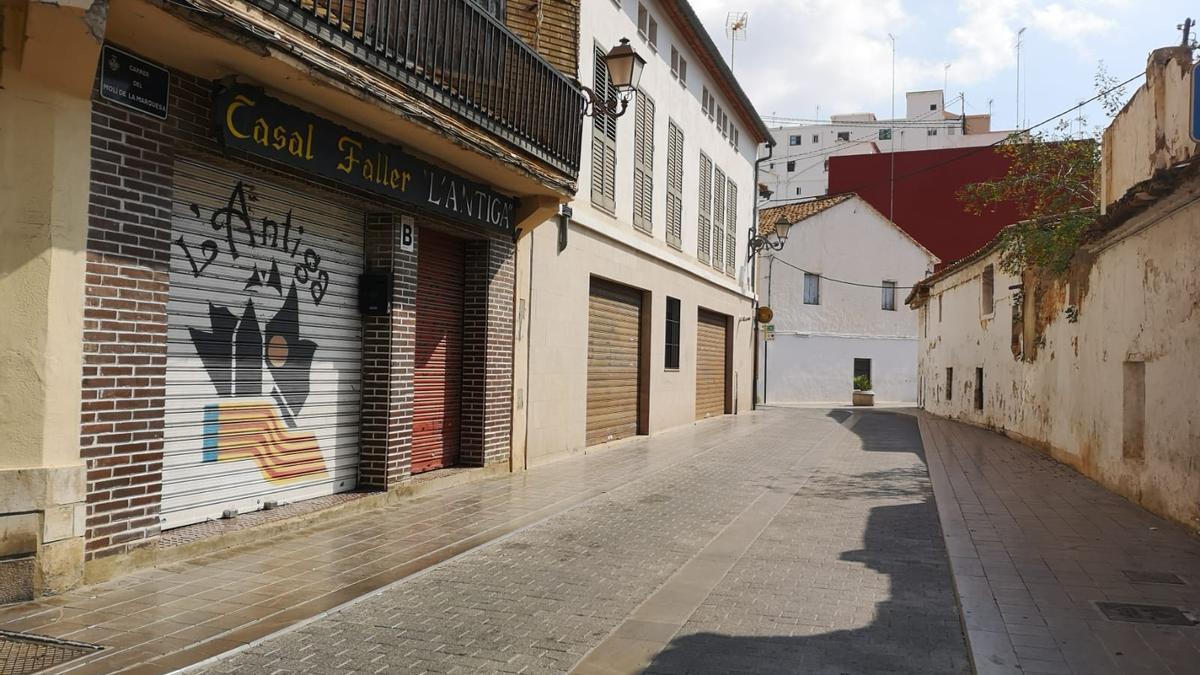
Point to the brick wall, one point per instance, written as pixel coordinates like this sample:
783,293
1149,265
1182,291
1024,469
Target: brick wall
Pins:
387,362
124,370
125,327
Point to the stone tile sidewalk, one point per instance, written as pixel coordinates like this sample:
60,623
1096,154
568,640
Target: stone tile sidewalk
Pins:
1034,546
161,619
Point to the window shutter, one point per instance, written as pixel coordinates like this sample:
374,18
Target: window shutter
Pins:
643,163
674,185
718,221
731,230
604,140
704,230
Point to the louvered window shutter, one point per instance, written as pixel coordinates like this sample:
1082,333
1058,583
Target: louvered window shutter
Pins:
674,186
643,163
704,229
731,230
718,220
604,140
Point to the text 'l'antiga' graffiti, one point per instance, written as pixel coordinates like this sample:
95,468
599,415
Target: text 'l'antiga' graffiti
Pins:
260,372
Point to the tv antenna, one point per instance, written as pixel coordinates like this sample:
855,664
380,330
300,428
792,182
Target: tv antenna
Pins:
736,24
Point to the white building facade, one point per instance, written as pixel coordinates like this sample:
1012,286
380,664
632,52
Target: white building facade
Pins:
634,311
799,167
836,289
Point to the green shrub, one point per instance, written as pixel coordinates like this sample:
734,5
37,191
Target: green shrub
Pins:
862,383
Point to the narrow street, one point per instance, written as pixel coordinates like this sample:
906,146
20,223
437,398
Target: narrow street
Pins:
785,541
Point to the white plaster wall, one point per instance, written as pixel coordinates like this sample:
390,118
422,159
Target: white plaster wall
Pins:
558,334
603,22
1142,302
816,344
802,368
551,377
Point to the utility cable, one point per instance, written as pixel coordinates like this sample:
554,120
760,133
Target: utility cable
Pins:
838,281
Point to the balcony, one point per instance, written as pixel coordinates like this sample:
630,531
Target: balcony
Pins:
457,56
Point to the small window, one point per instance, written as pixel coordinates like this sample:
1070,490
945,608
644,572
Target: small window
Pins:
979,388
671,356
734,137
647,26
949,384
794,139
678,66
843,135
722,122
812,289
987,284
939,307
708,103
791,165
862,368
931,132
797,192
933,106
885,134
816,138
889,296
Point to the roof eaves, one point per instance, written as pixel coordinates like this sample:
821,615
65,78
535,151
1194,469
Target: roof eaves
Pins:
718,62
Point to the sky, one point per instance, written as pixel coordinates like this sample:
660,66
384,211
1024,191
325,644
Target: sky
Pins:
836,54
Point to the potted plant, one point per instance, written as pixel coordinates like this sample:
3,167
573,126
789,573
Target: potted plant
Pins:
862,391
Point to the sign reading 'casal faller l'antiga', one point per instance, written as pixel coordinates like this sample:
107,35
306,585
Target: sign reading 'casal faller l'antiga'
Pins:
255,123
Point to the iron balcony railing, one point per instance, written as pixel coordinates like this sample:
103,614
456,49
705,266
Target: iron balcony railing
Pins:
454,53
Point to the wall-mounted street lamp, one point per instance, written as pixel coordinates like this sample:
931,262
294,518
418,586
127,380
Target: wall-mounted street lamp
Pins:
624,72
773,240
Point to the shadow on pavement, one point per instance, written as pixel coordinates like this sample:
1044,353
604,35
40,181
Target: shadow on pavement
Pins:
916,630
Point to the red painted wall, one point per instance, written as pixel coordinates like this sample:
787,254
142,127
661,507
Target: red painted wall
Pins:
927,204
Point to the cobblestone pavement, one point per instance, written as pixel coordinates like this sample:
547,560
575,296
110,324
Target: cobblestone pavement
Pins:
797,544
1035,546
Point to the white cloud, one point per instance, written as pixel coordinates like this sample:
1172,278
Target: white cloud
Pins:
837,54
1071,25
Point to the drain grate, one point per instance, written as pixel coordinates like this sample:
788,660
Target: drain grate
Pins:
1143,577
1156,614
21,654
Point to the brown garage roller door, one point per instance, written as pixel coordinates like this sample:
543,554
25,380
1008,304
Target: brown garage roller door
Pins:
437,370
614,350
710,364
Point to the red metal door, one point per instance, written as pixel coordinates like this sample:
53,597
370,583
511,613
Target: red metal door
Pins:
437,371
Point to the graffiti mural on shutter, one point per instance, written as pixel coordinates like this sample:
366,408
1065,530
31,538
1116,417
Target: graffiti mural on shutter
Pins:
263,346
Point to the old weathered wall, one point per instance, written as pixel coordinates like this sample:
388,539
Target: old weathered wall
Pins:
1078,398
1152,132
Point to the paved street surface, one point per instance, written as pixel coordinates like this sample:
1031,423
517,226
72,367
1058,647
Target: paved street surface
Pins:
1035,546
793,545
784,541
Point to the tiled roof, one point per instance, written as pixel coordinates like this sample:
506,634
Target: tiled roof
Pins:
798,211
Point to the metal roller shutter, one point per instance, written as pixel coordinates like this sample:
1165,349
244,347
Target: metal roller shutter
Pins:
263,345
710,364
437,370
613,370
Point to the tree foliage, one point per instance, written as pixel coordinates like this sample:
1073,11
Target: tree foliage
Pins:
1053,180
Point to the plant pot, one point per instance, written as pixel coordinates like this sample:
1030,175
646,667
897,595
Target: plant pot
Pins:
863,398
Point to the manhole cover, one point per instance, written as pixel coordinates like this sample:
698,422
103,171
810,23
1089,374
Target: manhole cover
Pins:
21,654
1157,614
1142,577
